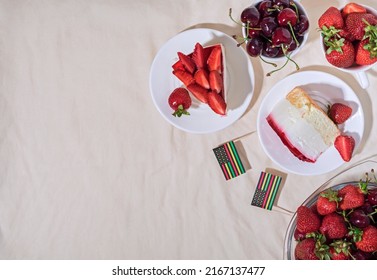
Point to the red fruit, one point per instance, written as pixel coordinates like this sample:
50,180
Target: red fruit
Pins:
179,100
178,66
217,103
352,8
307,221
340,250
185,77
298,235
344,33
199,92
215,81
187,62
364,54
345,145
339,113
351,197
214,61
368,242
198,56
201,78
327,202
331,17
340,53
338,256
305,250
333,226
356,25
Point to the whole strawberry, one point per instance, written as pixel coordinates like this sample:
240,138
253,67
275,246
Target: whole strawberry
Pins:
305,250
179,100
340,250
333,226
351,197
327,202
331,17
307,220
368,242
339,113
340,52
357,22
366,53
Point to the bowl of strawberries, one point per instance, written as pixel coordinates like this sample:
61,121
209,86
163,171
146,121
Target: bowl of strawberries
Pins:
336,223
349,39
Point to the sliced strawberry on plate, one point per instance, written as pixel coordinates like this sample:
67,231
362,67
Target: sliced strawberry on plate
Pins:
198,56
217,103
345,145
215,81
185,77
178,66
187,62
214,61
201,78
199,92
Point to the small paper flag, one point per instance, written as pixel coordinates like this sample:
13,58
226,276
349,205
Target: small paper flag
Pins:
267,188
229,160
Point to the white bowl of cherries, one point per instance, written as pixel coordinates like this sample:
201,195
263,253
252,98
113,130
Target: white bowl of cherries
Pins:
274,30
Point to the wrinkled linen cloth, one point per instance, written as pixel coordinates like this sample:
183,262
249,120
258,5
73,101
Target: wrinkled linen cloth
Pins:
89,169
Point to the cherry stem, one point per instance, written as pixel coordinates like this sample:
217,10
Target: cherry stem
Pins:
265,61
293,34
289,58
273,71
296,9
247,26
230,15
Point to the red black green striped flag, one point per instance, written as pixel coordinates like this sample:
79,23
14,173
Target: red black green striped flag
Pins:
229,160
267,188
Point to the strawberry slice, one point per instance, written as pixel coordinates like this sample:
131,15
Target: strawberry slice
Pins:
345,145
185,77
187,62
214,60
199,92
217,103
201,78
198,56
178,66
215,81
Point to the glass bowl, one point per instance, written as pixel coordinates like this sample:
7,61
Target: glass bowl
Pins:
351,175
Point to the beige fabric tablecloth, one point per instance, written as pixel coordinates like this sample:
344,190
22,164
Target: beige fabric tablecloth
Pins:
89,169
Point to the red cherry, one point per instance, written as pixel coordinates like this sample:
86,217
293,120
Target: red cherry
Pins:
287,16
281,36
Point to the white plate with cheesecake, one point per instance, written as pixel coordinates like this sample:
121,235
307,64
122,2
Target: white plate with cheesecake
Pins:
238,81
294,129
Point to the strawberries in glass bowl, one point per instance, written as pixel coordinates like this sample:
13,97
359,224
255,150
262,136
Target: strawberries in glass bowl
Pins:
336,223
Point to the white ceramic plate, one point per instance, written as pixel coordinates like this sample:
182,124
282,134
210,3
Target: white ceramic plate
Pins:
322,87
240,77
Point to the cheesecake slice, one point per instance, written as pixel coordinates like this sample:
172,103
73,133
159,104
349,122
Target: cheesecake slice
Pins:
303,127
